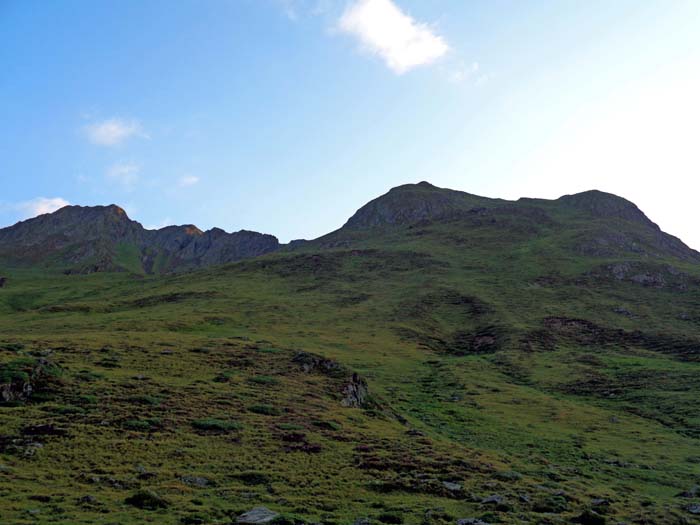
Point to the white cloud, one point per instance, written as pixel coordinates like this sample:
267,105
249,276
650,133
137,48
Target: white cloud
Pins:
40,206
112,132
125,174
188,180
383,29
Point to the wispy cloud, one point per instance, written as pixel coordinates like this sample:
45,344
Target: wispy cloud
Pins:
40,206
114,131
187,180
463,72
124,174
296,9
385,30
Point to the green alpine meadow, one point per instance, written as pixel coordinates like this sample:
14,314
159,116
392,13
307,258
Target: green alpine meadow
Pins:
443,358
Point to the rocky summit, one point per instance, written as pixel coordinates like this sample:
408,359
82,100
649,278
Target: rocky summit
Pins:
443,358
85,239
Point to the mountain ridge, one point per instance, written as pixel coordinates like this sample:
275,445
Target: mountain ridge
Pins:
85,239
88,238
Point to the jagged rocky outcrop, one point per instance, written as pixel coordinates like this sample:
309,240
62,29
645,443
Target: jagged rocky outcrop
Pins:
21,379
87,239
354,390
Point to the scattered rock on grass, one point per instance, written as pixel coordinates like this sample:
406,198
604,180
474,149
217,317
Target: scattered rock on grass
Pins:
88,500
494,499
196,481
257,515
588,517
146,499
692,493
452,487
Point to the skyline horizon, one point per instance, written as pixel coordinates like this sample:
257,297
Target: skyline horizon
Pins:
286,241
235,114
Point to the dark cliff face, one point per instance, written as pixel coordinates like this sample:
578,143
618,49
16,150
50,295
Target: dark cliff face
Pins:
103,238
218,247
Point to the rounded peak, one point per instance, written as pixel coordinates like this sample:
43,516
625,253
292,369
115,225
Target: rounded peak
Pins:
191,229
423,185
187,229
117,212
602,204
591,197
411,203
92,211
217,231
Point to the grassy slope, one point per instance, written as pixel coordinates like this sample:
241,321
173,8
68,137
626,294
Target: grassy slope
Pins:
144,358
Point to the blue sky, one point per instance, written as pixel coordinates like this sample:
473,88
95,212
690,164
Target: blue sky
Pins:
284,116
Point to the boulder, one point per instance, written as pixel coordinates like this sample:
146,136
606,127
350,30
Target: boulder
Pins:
311,363
494,499
146,499
588,517
257,515
692,493
196,481
452,487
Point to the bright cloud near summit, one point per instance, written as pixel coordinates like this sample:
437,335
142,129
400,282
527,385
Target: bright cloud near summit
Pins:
40,206
385,30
